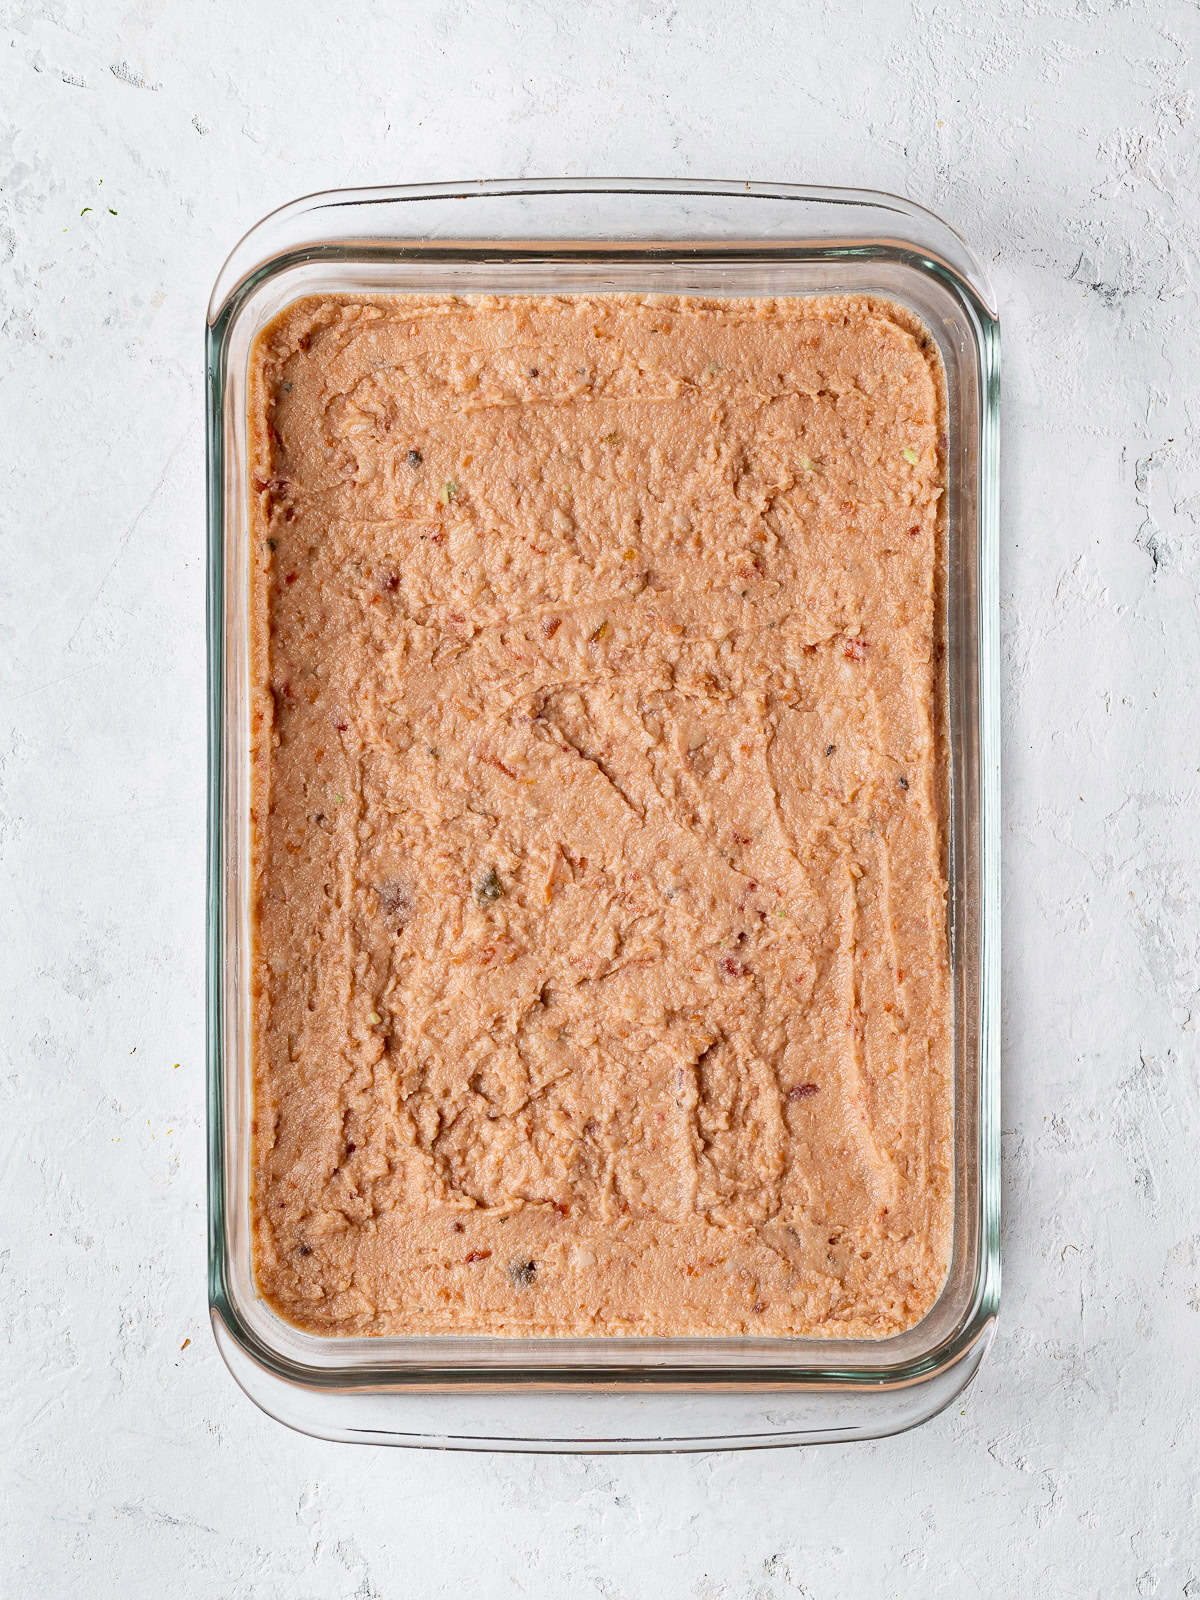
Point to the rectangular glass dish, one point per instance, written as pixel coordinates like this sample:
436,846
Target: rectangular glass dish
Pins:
606,236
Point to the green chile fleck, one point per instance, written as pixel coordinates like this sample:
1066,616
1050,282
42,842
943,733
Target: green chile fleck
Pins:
488,888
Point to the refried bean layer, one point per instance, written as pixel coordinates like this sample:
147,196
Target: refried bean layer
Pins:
601,972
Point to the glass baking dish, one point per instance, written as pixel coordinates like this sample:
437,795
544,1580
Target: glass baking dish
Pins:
597,235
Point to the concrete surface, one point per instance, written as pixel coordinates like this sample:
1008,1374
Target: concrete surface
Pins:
1061,138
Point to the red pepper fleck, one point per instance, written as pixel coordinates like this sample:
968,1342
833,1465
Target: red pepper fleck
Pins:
476,1255
290,577
854,649
551,626
801,1091
732,968
392,583
341,726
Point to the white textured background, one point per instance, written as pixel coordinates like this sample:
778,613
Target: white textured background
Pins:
1061,138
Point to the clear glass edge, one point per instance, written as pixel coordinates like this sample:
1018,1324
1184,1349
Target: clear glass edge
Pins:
257,249
974,1330
335,1416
